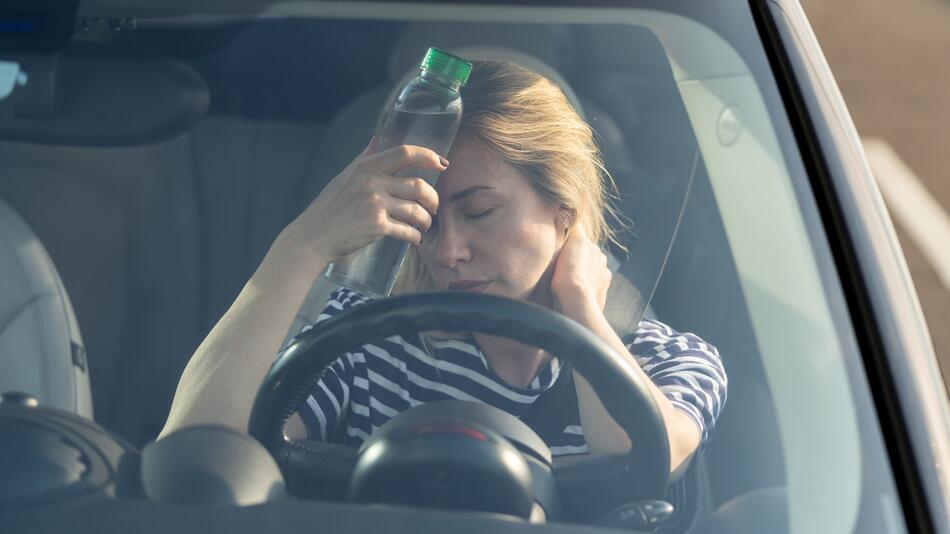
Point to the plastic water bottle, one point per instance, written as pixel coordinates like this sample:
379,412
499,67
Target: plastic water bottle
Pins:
427,113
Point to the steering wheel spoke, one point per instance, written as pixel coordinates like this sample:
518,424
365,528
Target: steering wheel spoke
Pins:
591,485
316,470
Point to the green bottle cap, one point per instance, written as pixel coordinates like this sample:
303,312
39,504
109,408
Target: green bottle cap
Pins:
446,65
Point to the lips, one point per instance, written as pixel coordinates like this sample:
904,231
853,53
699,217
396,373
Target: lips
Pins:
469,285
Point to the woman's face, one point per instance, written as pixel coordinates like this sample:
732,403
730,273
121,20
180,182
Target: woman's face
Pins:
493,233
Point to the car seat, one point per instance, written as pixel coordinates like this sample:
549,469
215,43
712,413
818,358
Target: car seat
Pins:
41,349
94,159
355,123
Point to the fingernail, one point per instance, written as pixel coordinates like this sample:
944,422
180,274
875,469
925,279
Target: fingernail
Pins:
443,161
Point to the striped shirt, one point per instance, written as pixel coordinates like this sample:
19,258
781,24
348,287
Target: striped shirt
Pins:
364,388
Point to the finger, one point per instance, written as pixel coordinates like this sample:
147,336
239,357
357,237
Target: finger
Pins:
575,239
415,189
579,230
410,212
399,157
403,232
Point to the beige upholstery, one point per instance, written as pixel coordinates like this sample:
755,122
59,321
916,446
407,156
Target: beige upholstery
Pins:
41,350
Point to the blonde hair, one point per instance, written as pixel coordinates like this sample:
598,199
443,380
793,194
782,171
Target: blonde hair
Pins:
527,121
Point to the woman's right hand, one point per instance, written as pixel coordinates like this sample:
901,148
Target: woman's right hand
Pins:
365,202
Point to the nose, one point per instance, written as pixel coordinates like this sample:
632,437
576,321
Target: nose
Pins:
452,246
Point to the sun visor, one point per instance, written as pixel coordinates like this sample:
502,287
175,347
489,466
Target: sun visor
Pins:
93,95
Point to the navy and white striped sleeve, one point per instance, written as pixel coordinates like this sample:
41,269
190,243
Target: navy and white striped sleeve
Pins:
326,406
686,369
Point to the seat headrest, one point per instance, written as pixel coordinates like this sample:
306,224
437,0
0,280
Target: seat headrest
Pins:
356,121
93,95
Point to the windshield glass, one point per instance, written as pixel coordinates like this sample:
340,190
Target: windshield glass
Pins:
178,145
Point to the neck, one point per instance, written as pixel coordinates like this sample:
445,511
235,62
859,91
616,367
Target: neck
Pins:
513,361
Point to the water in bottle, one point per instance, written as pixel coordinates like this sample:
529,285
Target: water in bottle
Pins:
426,112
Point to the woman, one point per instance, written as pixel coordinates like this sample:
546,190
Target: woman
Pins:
520,212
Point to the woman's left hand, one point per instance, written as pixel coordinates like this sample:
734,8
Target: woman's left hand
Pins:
581,277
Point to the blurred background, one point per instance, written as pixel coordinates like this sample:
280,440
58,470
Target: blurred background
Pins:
892,63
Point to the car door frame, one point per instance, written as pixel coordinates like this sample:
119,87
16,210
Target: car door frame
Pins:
900,362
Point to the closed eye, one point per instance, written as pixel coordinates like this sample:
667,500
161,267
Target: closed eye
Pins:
479,215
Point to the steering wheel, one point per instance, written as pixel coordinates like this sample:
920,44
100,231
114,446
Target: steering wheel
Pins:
323,470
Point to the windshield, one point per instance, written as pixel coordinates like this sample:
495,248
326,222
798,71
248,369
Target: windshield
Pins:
178,145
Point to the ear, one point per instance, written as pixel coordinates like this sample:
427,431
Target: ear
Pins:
563,220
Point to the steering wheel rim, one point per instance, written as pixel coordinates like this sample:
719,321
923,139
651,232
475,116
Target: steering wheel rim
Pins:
628,400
